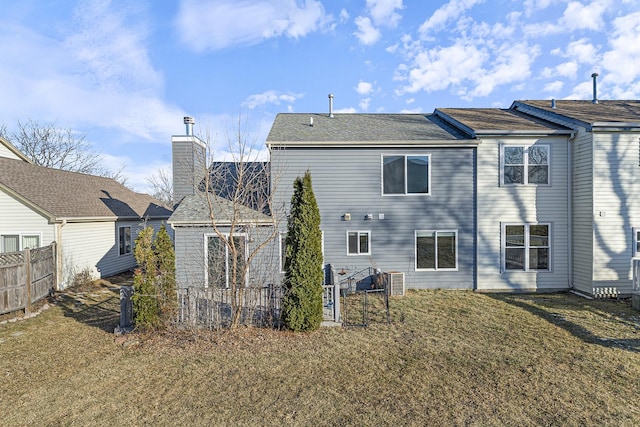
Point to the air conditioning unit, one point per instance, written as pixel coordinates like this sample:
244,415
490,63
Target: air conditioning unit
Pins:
395,283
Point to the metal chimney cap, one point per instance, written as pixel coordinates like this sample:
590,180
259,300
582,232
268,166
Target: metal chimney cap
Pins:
595,75
330,95
188,120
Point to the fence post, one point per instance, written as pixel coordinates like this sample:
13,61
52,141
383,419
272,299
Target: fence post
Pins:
54,265
336,302
126,307
27,264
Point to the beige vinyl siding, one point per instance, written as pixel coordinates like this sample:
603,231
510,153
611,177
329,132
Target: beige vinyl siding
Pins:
5,152
616,188
519,204
583,211
17,218
349,180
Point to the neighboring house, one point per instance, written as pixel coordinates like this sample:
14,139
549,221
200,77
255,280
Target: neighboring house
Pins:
94,220
522,210
202,217
396,192
605,172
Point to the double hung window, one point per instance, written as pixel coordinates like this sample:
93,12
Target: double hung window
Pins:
525,165
526,247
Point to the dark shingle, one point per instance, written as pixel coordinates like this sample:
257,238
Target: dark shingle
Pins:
588,112
488,120
361,127
66,194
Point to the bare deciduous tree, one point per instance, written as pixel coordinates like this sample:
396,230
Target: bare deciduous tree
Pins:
161,184
48,145
238,196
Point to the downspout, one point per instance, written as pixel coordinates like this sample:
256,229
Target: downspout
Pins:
58,239
570,140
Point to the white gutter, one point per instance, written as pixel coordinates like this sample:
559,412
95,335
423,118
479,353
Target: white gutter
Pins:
462,143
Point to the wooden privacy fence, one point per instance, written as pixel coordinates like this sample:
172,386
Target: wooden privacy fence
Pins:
26,277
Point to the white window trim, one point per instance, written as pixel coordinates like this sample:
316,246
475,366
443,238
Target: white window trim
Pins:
415,249
368,232
130,240
20,236
283,233
428,193
226,258
526,165
635,252
503,246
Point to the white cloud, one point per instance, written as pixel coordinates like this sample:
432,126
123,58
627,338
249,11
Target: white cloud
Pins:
367,33
624,49
364,88
579,16
207,25
553,87
567,69
448,12
383,12
349,110
364,104
270,97
100,75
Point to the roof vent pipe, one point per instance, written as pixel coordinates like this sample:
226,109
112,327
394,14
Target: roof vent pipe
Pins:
188,123
553,103
330,105
595,93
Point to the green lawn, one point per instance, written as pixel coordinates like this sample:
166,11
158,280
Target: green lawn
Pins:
447,358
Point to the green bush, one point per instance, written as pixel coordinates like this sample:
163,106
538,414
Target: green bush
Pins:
302,302
154,299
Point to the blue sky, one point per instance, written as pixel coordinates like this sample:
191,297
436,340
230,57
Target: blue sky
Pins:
126,72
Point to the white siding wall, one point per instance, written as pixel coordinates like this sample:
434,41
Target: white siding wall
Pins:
5,152
94,245
521,204
582,217
616,211
16,218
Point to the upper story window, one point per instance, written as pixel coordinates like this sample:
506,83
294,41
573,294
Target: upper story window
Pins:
523,165
405,174
636,242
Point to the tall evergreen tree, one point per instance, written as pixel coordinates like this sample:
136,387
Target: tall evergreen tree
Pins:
302,302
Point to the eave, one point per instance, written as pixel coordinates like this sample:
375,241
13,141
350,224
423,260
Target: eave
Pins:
462,143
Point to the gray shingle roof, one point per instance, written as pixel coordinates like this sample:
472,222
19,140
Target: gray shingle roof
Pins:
65,194
477,121
361,127
194,209
588,112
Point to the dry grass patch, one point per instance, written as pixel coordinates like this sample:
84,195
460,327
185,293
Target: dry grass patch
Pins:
447,358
